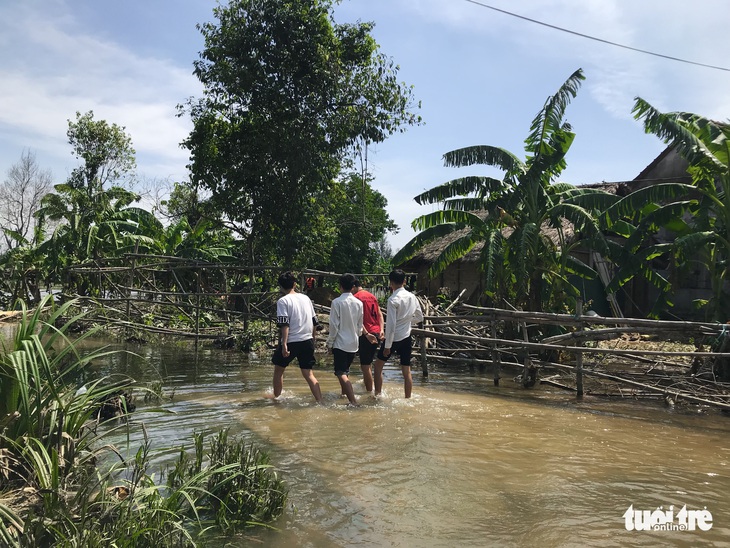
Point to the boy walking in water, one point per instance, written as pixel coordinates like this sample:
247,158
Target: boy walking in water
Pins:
403,310
373,324
297,323
346,326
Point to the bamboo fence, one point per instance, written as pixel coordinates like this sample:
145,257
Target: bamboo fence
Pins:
578,352
585,356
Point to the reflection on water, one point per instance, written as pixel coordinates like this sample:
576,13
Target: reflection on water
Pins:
461,464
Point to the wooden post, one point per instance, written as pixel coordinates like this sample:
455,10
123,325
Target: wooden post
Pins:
197,309
226,297
579,355
496,358
526,361
424,365
129,291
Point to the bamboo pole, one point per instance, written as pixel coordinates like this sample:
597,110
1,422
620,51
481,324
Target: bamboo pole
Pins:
540,346
579,355
526,358
567,319
424,365
197,310
655,389
496,357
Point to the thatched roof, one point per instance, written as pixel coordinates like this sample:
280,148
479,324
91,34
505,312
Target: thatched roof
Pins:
430,252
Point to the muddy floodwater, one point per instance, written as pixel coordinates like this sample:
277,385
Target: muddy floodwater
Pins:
460,464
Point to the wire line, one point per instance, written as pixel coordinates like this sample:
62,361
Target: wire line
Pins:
589,37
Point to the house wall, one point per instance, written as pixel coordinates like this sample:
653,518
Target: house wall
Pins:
457,276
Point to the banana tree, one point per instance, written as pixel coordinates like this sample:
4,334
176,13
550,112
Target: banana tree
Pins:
527,224
703,233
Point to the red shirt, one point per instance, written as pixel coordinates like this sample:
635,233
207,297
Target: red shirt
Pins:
370,309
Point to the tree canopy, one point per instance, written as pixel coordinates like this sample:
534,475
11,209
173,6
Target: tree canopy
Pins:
289,93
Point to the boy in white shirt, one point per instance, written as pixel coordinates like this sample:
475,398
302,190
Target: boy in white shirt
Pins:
346,327
403,310
297,323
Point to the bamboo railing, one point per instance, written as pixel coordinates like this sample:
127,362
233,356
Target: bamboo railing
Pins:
471,336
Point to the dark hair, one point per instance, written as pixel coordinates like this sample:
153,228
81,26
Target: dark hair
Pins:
347,281
397,276
287,280
357,282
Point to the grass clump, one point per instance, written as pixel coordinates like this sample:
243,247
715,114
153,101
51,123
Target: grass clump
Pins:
62,483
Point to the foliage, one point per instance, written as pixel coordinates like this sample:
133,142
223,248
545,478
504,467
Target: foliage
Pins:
40,406
105,150
509,217
699,215
55,459
253,493
93,219
288,93
361,220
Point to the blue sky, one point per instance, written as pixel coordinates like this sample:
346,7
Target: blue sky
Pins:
481,76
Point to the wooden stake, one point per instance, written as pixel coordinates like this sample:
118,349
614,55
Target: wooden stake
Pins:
579,355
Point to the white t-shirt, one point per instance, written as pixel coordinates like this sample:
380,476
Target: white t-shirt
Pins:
403,310
345,323
297,311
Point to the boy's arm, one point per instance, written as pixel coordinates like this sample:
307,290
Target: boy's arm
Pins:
418,314
284,339
390,326
334,325
282,318
381,321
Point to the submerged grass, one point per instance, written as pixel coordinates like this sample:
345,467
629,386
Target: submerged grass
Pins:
54,492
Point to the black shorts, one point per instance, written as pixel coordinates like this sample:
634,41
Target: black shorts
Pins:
342,361
366,350
403,348
301,350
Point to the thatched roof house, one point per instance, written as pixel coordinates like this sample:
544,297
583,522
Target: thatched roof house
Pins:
635,299
464,273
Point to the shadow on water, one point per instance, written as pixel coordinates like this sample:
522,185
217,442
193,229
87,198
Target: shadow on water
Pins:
460,464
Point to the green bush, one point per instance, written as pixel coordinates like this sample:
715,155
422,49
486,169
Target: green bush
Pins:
62,482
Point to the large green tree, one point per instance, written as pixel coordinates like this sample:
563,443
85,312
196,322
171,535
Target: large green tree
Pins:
288,93
514,217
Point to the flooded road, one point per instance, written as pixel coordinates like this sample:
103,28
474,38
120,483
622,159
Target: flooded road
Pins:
460,464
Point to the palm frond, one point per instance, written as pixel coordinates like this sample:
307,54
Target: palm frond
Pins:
485,154
690,133
550,161
550,118
467,204
561,188
579,268
452,252
492,257
689,245
590,199
423,238
463,186
638,200
462,218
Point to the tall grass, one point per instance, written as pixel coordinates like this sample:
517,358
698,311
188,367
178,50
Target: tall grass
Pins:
55,492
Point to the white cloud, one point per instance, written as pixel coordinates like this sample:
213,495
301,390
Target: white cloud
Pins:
58,68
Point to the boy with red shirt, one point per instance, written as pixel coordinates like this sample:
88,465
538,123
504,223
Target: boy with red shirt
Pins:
373,324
